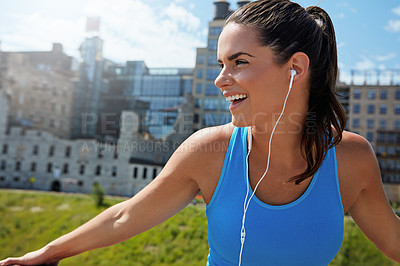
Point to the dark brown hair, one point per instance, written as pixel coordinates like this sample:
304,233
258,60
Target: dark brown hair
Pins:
287,28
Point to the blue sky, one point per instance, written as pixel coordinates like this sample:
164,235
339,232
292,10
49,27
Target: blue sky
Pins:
166,33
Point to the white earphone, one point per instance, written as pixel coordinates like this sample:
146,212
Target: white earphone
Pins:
247,202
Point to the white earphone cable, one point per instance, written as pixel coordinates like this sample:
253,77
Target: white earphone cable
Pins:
247,202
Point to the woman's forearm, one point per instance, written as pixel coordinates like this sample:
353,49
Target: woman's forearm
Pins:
105,229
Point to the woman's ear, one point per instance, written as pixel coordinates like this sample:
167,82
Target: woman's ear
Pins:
299,62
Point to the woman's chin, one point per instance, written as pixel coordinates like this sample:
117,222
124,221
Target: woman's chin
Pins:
240,122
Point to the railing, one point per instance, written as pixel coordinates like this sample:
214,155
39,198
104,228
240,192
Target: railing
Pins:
387,77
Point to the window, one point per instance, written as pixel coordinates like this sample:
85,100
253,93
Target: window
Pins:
371,109
215,31
370,136
33,167
210,119
5,148
356,108
212,60
154,173
98,170
382,109
35,150
370,123
224,105
211,104
3,165
397,124
381,149
225,118
211,89
382,124
51,151
356,123
114,171
200,58
397,94
392,137
52,123
115,153
68,151
212,44
213,73
198,103
199,73
135,172
65,168
82,169
381,137
397,109
357,94
199,88
49,167
17,166
144,173
383,94
371,94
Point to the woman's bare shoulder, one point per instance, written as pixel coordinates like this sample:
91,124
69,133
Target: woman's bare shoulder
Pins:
357,163
204,147
208,139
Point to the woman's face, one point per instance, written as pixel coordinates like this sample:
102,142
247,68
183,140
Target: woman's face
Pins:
251,76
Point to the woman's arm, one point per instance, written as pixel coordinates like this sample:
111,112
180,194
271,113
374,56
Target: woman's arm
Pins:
170,192
371,210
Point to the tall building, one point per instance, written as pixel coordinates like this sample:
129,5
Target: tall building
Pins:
373,108
40,87
211,107
90,84
155,94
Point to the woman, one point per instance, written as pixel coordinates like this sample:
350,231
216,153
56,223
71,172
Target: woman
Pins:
278,179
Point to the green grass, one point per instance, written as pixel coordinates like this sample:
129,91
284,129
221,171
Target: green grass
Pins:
29,220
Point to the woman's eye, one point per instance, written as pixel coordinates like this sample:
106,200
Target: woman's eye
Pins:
241,62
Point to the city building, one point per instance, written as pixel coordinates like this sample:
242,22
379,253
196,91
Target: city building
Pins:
33,159
211,108
40,86
388,155
154,93
372,108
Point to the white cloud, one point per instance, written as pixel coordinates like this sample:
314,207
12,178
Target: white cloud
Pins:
386,57
366,63
163,35
396,10
340,15
134,30
40,32
393,25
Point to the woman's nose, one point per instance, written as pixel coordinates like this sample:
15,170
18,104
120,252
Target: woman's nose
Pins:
224,79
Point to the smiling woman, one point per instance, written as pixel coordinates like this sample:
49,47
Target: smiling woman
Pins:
276,186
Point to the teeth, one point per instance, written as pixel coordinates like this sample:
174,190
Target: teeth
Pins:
236,97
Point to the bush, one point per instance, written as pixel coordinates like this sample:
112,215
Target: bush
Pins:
98,194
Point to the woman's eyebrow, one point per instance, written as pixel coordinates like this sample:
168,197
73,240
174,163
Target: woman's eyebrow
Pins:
236,55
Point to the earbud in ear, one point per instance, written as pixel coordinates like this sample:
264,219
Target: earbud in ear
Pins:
293,72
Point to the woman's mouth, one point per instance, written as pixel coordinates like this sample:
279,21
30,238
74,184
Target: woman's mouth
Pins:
236,100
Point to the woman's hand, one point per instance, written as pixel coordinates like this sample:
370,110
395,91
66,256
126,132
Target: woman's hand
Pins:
38,257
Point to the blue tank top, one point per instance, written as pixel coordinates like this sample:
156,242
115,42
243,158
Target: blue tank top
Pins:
307,231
